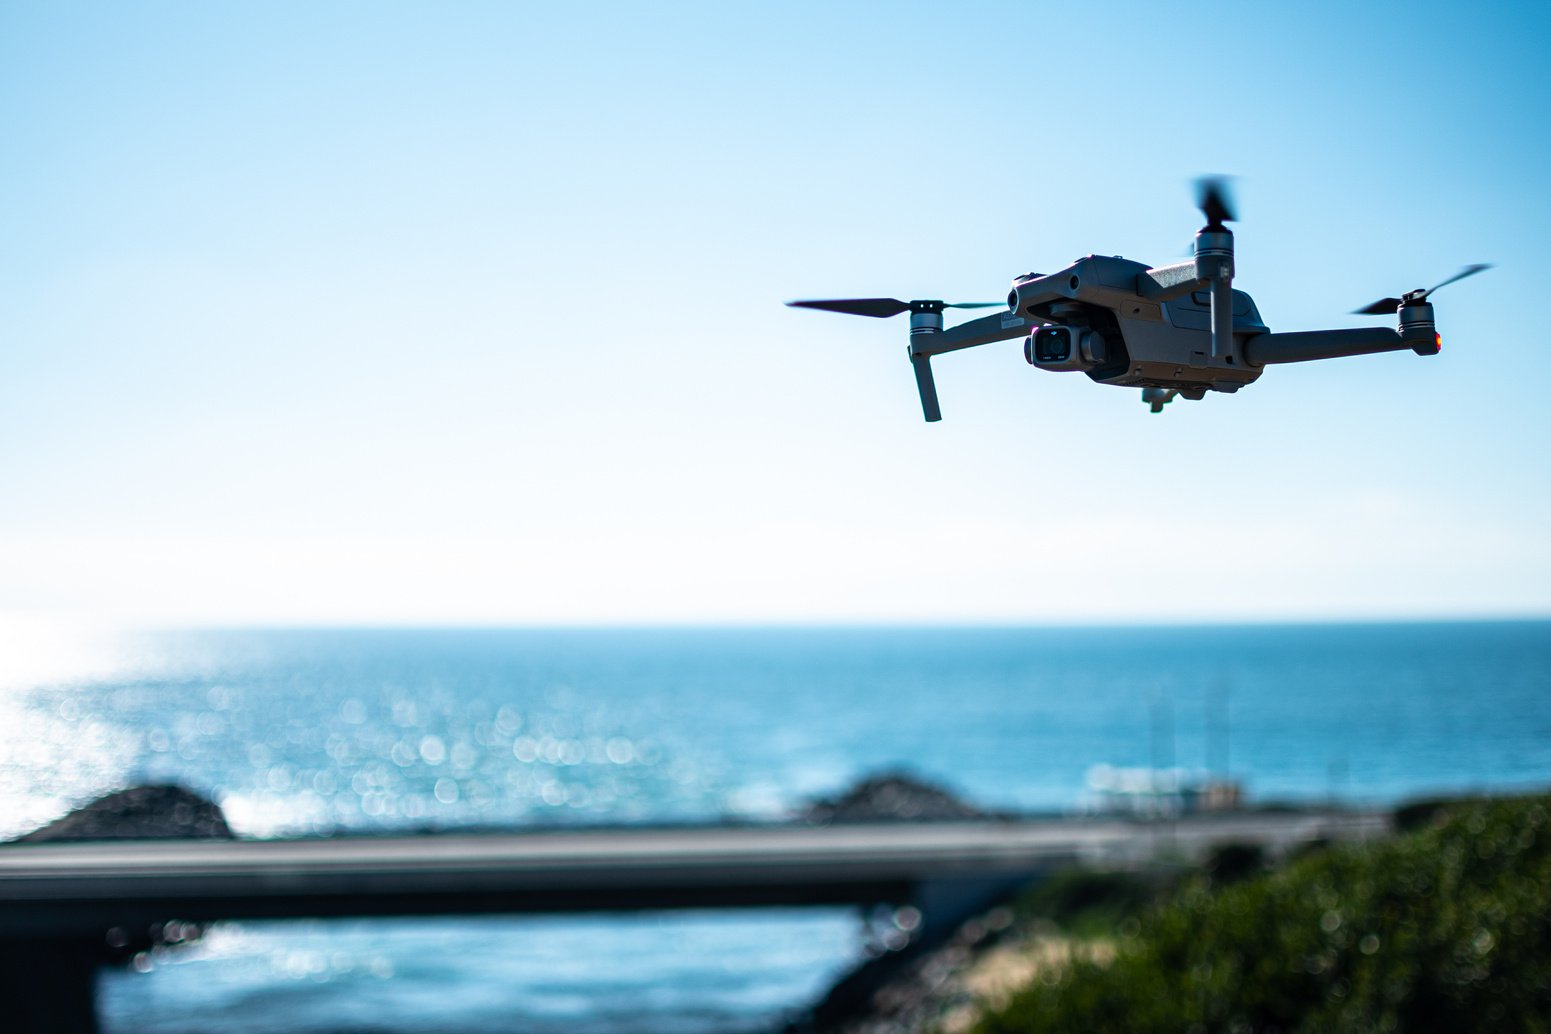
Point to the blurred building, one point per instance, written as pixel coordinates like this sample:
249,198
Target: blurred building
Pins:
1153,792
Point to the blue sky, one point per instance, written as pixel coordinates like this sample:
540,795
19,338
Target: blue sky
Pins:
401,313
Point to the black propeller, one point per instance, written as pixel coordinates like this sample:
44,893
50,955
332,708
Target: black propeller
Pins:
1215,201
1386,306
881,307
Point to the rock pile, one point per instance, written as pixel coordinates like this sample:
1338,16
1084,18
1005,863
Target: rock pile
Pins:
892,797
156,812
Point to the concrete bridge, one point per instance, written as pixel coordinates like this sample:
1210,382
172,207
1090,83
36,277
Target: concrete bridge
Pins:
61,904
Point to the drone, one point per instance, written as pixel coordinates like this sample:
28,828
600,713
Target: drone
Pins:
1176,330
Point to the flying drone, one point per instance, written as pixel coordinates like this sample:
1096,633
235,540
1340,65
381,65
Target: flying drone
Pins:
1178,330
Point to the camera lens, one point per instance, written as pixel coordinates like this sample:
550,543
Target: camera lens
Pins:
1052,345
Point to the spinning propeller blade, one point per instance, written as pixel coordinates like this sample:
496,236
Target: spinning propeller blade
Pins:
882,307
1215,201
1386,306
1470,270
1382,307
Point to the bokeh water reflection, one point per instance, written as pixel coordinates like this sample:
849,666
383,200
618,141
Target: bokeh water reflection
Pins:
302,732
299,733
726,971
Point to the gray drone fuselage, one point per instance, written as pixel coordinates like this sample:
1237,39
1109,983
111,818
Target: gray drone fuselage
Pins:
1178,330
1154,328
1161,341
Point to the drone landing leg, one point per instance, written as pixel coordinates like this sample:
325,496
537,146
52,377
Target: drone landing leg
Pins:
923,327
1214,264
927,387
1222,318
927,338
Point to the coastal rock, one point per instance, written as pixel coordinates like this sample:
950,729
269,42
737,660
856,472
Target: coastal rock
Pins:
47,984
892,797
914,990
155,812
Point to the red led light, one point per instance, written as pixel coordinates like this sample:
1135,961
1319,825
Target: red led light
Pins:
1439,338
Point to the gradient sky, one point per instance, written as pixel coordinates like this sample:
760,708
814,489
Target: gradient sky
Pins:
412,313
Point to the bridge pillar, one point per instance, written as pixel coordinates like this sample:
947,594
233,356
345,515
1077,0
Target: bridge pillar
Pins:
946,904
49,986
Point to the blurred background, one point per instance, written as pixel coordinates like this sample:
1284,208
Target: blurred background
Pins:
403,430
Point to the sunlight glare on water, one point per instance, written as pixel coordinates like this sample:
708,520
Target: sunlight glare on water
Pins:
728,971
299,733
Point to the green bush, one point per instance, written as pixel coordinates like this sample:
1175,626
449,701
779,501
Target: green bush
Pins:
1419,814
1446,929
1230,863
1089,902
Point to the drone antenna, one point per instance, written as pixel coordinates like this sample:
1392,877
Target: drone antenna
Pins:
1214,259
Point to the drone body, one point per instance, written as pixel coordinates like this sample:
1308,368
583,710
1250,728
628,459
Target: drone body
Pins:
1169,330
1119,335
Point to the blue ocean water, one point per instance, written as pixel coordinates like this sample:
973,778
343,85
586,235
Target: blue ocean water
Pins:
299,732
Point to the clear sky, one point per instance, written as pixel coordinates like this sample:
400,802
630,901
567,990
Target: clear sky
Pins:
461,313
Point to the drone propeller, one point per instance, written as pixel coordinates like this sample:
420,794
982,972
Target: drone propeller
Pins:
1214,259
1387,306
1215,201
882,307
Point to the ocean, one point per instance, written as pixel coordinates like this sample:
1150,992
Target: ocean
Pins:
311,732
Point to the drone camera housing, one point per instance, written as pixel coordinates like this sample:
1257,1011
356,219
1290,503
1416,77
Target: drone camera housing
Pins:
1064,348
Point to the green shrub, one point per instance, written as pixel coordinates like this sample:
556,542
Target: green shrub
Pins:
1419,814
1446,929
1230,863
1089,902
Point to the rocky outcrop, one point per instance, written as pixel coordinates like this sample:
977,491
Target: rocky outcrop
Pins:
936,989
156,812
892,797
47,984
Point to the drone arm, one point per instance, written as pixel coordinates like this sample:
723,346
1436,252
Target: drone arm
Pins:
997,327
926,340
1263,349
1222,317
